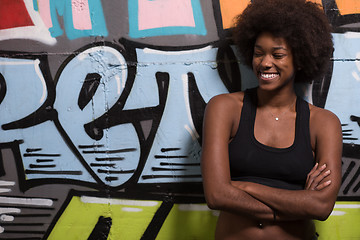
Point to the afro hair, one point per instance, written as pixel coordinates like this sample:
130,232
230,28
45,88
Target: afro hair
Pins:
301,23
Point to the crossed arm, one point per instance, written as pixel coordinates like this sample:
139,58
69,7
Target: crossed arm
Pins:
261,202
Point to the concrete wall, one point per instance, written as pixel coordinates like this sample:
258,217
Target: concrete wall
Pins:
101,106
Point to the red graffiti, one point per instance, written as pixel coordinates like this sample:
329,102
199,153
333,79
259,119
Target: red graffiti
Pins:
13,13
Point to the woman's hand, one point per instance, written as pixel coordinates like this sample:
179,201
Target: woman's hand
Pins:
315,178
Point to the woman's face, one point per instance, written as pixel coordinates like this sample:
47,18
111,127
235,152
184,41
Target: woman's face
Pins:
273,62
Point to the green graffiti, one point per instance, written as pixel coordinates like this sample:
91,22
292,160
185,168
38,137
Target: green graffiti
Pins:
343,222
130,218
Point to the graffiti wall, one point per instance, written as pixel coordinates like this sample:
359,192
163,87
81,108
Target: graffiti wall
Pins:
101,105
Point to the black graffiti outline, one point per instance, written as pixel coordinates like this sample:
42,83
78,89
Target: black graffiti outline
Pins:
337,20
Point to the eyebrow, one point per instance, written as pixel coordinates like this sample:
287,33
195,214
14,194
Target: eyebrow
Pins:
275,48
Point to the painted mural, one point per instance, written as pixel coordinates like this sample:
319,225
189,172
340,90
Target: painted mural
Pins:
101,106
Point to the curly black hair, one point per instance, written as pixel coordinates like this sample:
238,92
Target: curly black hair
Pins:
301,23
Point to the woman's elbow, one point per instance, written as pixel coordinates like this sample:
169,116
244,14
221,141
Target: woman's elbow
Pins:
322,211
214,201
322,216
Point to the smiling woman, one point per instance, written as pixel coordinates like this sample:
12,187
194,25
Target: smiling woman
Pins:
277,157
272,61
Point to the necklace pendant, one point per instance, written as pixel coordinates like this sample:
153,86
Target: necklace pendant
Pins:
277,119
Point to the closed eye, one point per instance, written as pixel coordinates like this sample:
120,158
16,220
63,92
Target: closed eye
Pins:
257,54
279,56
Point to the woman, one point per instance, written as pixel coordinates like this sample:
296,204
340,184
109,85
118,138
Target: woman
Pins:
271,162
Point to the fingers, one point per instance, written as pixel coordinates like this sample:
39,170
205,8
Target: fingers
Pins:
315,171
315,177
323,185
309,179
317,183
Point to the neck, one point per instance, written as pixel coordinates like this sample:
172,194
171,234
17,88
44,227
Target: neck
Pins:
276,99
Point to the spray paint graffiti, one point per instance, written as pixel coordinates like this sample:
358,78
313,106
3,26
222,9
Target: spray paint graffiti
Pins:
176,155
342,14
108,146
39,19
104,100
81,17
117,116
156,18
345,84
19,20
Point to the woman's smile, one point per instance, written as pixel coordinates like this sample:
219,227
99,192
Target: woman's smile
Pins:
268,76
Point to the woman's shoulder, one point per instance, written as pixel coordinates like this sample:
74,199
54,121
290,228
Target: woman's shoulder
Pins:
227,100
321,114
223,112
225,106
323,119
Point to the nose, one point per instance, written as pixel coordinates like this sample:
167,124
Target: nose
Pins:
266,62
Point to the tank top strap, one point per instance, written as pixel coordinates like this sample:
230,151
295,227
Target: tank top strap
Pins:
304,120
248,112
249,104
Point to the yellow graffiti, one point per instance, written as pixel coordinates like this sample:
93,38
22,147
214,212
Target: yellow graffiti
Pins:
343,222
130,218
230,9
348,6
189,221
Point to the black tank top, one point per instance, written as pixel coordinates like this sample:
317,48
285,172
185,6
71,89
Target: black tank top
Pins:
252,161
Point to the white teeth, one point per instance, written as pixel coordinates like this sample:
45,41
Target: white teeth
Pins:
269,75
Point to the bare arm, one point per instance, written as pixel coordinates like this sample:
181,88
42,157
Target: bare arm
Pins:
308,203
220,194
